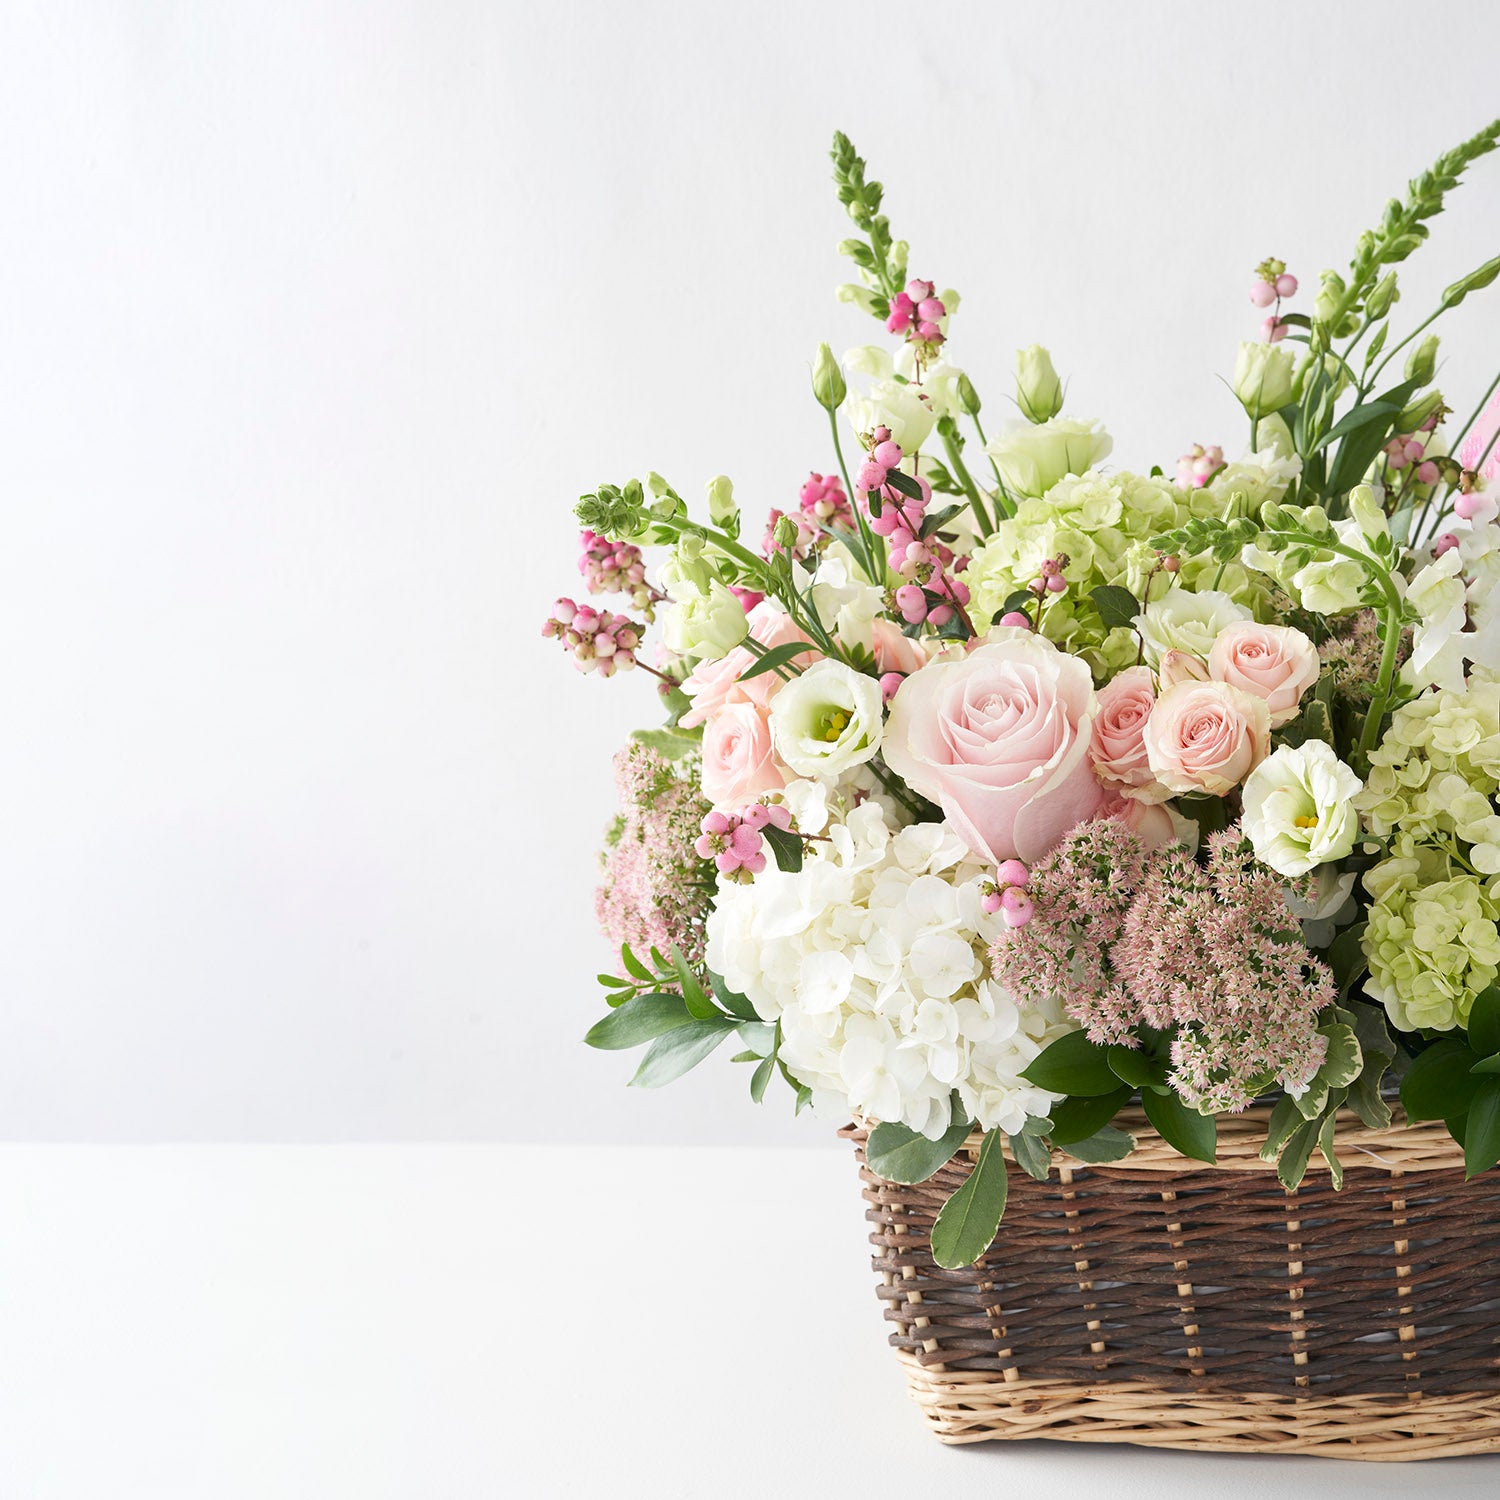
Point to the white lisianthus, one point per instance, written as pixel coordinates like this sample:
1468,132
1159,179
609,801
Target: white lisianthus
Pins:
1032,457
1263,375
704,621
827,719
1299,808
907,410
1184,621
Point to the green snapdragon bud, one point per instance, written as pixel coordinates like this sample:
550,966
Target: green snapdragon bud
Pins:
722,510
829,387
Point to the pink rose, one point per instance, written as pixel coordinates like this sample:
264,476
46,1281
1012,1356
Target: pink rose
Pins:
1180,666
894,651
1155,824
1118,746
1274,662
999,740
738,764
1206,737
714,685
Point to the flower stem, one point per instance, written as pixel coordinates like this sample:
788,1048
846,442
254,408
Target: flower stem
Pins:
961,473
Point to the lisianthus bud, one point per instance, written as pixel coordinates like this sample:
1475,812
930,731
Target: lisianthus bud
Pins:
785,533
968,397
1263,378
1422,361
1421,411
1381,300
829,388
1038,390
722,510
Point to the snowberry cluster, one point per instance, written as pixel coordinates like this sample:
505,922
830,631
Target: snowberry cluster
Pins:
1272,283
613,568
1403,452
598,640
933,590
1198,465
734,841
822,503
1006,894
915,312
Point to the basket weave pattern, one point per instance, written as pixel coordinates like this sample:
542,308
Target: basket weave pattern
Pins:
1158,1300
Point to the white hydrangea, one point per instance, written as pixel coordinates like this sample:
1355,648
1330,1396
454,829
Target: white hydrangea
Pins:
874,958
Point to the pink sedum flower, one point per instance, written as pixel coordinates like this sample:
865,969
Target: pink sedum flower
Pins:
999,739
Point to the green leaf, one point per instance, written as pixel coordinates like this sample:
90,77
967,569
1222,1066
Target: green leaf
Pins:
1286,1120
736,1005
804,1098
1357,451
1345,955
761,1077
670,744
1135,1068
1077,1119
900,1154
1117,606
613,981
1482,1134
1108,1144
777,656
672,1055
966,1224
1344,1060
1073,1065
634,965
694,995
787,847
1032,1155
758,1036
1354,419
1486,1065
903,483
1182,1127
1484,1022
1021,600
637,1021
1438,1084
1292,1167
1325,1145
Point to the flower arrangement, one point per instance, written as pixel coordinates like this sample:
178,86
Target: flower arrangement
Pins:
998,788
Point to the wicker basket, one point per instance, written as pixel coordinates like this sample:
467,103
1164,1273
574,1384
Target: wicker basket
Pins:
1164,1302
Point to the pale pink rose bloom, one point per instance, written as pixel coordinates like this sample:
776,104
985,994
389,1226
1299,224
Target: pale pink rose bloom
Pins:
1206,737
714,685
1153,823
1180,666
1274,662
1118,745
999,740
895,652
738,763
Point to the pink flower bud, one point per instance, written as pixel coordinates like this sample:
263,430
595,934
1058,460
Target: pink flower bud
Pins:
1170,563
1262,293
781,817
939,615
1286,285
1016,618
929,333
881,435
1013,872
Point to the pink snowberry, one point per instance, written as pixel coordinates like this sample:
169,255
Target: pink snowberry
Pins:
1016,907
890,682
989,900
1013,872
1466,507
1015,618
1427,472
1286,285
1273,330
887,454
1262,293
1445,543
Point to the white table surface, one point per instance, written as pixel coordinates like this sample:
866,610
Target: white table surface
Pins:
453,1321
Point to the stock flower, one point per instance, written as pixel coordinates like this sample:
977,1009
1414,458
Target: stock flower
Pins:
1185,621
1275,662
873,959
1034,457
999,740
827,719
1299,808
1206,737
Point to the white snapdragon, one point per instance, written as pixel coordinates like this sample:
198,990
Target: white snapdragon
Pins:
827,719
874,958
1299,808
1185,621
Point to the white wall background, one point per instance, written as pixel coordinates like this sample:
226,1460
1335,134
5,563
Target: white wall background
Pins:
314,320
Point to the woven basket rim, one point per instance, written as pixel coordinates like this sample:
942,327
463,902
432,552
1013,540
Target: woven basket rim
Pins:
1402,1146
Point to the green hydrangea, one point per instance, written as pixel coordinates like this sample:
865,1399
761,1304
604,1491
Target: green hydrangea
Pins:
1432,940
1103,525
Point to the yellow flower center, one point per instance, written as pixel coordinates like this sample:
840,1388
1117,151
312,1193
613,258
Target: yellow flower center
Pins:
1307,822
834,725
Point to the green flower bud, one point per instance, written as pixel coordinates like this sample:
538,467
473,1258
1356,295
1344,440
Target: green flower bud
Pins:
1263,378
785,533
1381,300
829,388
722,510
968,397
860,297
1413,416
618,515
1422,361
1038,390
